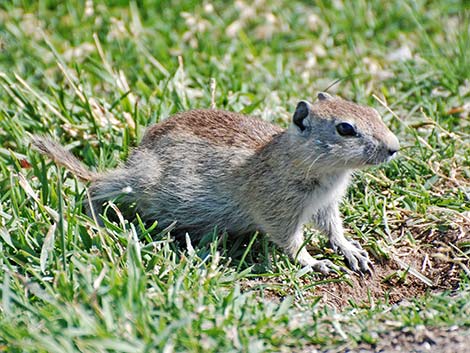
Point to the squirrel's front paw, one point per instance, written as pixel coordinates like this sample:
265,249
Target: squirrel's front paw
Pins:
355,256
323,266
326,267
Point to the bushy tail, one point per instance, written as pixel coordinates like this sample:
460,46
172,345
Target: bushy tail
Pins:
61,156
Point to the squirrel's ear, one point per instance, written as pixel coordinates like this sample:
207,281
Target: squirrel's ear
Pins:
301,112
323,96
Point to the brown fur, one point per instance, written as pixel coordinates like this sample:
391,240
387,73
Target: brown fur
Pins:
217,126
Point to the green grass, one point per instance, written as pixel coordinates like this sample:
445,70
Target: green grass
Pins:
95,77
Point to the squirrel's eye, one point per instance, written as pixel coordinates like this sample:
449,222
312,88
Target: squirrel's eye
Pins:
346,129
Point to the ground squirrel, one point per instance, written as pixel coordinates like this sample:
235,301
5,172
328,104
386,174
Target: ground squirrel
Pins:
213,169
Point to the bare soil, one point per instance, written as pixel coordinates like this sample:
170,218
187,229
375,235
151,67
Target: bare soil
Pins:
422,339
432,263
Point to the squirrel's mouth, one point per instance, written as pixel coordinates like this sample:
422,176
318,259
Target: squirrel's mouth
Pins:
371,162
389,158
386,159
378,155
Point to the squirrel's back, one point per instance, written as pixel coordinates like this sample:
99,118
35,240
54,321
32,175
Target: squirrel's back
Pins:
218,127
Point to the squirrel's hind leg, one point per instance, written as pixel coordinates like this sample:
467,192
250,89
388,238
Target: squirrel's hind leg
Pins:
116,186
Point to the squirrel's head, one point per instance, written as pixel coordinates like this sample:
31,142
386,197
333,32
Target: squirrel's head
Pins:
355,135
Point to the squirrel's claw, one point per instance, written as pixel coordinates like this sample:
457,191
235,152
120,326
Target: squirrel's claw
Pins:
327,267
355,256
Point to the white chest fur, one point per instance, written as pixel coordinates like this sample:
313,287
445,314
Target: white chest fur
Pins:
330,190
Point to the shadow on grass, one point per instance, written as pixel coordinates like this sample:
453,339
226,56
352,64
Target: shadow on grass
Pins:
241,252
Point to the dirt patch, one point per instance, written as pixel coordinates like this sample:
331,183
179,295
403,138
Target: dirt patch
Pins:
421,339
433,261
417,340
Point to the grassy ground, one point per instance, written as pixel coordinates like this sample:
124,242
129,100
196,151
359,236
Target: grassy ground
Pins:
93,75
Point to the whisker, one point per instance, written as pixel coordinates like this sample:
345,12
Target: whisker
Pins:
312,164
